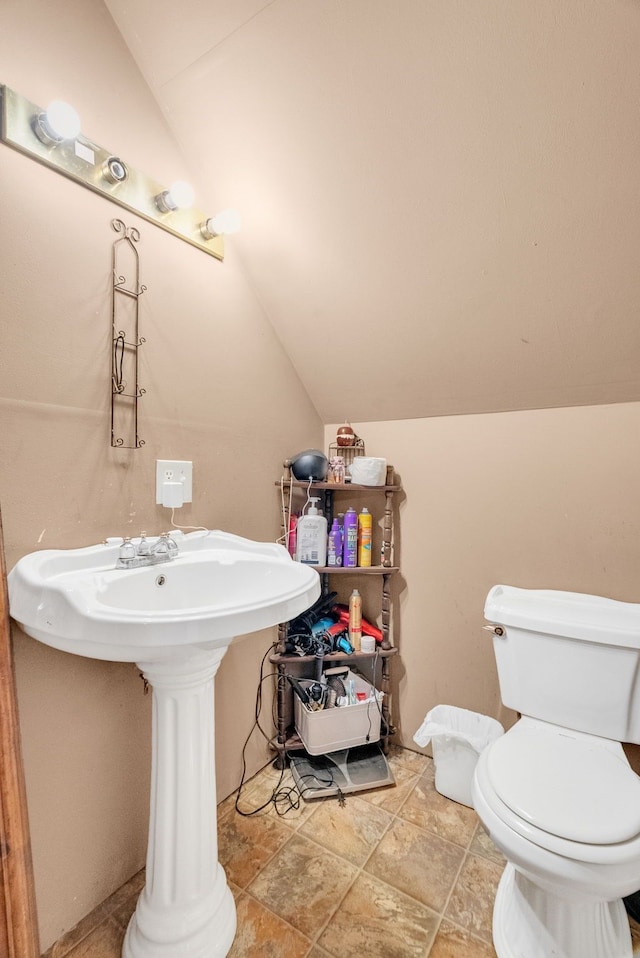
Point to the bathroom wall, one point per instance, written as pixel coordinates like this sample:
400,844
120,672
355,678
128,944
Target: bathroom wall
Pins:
219,391
537,499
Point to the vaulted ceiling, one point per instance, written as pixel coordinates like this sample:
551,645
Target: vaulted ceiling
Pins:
440,198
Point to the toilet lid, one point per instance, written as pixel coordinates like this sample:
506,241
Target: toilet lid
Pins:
567,785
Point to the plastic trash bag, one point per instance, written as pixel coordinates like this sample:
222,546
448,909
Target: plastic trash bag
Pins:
458,736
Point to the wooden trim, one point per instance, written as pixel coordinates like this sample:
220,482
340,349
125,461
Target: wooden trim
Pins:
18,921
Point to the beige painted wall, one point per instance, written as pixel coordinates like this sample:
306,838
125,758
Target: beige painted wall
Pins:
537,499
220,391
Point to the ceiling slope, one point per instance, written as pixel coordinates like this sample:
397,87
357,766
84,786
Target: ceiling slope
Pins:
440,201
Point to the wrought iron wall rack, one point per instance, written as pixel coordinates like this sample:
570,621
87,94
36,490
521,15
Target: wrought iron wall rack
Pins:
126,341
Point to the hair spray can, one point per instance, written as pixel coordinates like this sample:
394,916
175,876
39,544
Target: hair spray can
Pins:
365,530
334,548
350,539
355,620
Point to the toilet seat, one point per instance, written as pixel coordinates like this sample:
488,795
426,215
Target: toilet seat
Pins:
569,784
537,779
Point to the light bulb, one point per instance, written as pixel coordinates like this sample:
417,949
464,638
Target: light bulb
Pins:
223,223
59,122
63,120
182,194
179,196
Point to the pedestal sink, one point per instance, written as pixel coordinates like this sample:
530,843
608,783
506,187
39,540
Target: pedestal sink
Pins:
175,620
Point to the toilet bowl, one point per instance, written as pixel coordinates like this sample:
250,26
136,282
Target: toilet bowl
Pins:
556,794
564,809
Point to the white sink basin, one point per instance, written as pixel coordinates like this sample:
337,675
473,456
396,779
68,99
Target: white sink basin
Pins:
219,586
175,620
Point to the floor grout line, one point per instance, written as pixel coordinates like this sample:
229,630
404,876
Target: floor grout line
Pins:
395,816
414,775
318,934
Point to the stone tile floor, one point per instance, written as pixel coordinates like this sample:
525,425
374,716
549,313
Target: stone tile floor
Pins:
399,872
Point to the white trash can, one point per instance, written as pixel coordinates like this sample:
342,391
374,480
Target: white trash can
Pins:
458,737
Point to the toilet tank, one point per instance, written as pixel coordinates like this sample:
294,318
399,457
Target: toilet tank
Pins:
569,659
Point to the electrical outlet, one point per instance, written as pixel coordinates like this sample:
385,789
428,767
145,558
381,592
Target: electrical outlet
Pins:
174,470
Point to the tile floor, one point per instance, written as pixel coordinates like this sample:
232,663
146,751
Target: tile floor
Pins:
399,872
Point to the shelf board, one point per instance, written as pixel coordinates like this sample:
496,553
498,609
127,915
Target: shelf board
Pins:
278,657
356,569
337,486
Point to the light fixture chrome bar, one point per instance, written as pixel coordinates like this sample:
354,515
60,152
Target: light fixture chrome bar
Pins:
101,171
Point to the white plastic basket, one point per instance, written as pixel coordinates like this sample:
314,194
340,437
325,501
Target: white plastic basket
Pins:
331,730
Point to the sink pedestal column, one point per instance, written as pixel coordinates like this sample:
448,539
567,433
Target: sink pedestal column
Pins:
186,909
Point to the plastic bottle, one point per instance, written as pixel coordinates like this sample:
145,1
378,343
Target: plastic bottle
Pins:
334,548
350,539
311,536
292,538
355,620
365,529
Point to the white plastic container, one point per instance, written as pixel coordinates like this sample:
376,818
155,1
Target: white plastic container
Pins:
457,737
311,536
330,730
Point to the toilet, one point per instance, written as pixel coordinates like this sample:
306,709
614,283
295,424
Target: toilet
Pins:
556,793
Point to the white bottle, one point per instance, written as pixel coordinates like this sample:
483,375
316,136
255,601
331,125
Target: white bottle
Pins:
311,543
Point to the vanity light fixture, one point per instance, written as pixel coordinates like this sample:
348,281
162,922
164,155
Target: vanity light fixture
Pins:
53,138
222,224
59,122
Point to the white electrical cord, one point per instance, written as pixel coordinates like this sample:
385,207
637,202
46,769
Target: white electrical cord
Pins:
195,528
286,515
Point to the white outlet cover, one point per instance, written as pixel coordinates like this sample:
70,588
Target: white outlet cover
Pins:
174,470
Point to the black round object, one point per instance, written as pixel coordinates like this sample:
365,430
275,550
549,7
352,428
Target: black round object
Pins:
310,464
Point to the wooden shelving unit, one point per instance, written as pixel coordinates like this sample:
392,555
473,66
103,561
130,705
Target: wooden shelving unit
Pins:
335,575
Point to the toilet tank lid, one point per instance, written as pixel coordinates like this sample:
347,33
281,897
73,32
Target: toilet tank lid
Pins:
571,614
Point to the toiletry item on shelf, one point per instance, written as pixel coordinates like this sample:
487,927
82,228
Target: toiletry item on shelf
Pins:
355,620
367,643
336,469
365,530
334,548
311,534
342,613
292,536
350,539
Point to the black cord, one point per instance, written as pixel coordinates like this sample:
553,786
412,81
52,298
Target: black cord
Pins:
284,799
256,724
374,669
